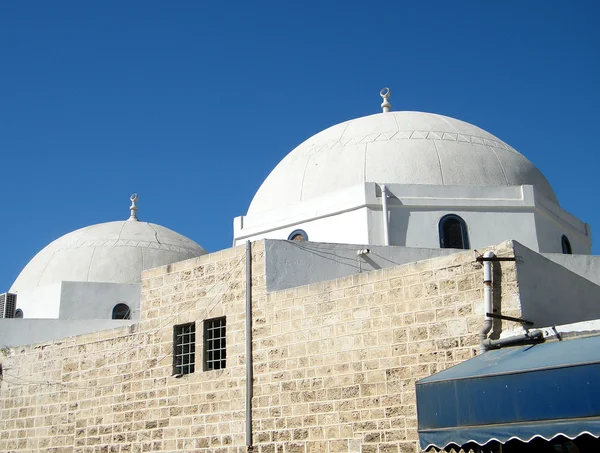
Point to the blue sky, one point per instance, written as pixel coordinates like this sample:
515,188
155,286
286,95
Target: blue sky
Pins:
192,103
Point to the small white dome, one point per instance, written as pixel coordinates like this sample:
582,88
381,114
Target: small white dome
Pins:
112,252
396,148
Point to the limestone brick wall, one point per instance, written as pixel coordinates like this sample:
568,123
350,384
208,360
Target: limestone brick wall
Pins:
113,391
334,363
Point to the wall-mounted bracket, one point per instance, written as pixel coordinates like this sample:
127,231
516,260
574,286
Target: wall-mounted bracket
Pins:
481,259
509,318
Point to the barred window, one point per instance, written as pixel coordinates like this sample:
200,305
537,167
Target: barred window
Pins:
184,348
215,351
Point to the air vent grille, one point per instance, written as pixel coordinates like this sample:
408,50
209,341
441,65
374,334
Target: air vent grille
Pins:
8,305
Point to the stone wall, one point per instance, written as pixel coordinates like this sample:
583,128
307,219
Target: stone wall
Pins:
113,391
334,362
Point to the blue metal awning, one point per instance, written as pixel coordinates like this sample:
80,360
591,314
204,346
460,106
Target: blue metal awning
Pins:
542,390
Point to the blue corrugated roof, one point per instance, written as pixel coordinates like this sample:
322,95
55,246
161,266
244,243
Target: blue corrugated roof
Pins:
512,360
518,392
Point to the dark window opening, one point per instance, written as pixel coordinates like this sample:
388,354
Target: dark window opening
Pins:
121,311
566,245
215,350
18,313
453,232
184,350
298,235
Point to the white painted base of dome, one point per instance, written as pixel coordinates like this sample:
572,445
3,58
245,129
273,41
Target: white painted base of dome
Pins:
78,300
354,215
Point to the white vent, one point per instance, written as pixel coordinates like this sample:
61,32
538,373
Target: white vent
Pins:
8,305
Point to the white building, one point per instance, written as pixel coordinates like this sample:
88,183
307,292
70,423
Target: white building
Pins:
94,273
337,349
421,182
446,183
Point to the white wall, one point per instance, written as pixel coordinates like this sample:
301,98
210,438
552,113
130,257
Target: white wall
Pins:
413,227
78,300
87,300
41,302
345,227
587,266
290,264
552,294
550,232
354,216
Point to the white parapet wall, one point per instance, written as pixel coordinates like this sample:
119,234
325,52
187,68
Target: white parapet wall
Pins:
290,264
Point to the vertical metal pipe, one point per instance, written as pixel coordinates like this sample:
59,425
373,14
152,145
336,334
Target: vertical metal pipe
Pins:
249,370
384,207
487,302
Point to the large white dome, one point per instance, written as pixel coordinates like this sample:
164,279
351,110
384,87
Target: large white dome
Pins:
113,252
400,148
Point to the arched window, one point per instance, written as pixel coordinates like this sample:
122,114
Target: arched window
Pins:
18,313
566,245
453,232
298,235
121,311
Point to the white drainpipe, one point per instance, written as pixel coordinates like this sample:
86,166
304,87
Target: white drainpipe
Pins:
384,207
487,301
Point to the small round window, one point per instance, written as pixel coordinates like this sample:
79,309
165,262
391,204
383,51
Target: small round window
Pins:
298,235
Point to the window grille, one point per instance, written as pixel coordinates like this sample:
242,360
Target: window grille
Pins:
184,354
453,232
215,351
